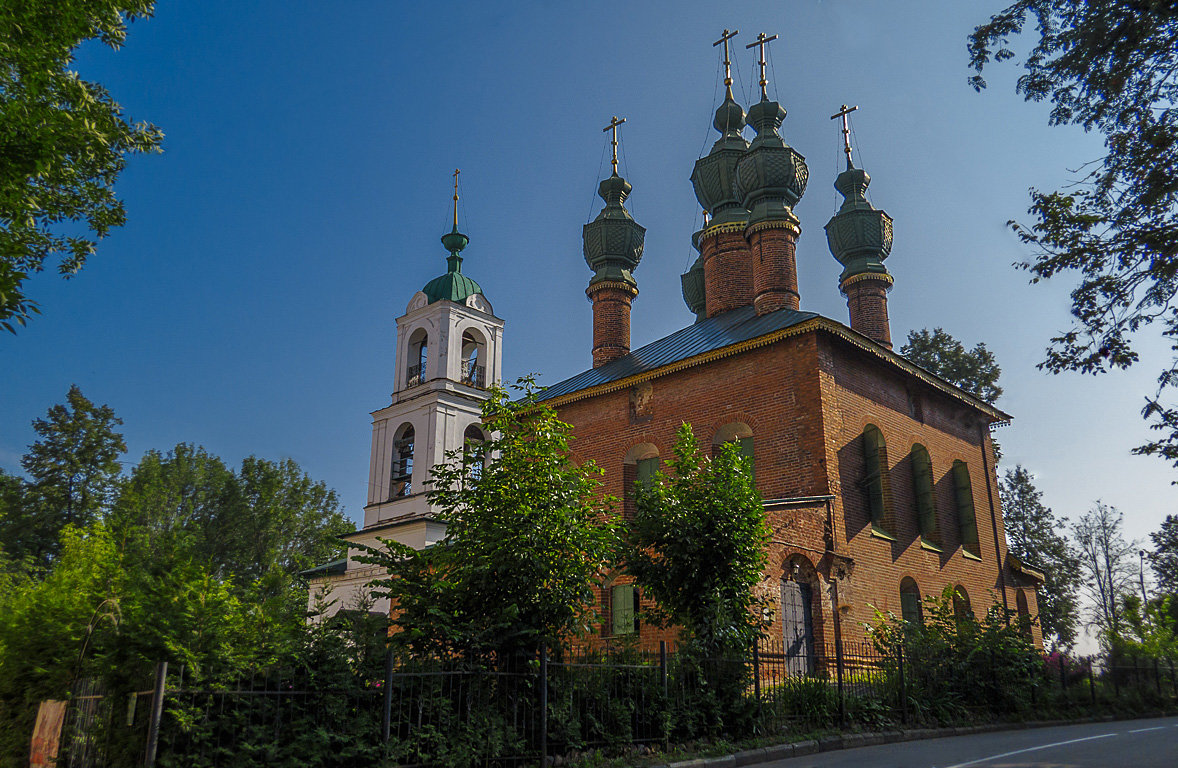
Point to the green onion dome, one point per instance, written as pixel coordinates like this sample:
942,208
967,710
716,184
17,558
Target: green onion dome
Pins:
771,177
714,173
613,241
859,235
452,286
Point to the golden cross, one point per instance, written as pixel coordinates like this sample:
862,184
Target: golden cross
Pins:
613,126
456,172
724,38
761,42
844,110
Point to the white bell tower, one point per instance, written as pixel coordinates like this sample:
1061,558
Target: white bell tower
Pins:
449,351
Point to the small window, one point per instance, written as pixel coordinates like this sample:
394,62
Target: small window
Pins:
875,462
402,475
961,609
910,607
739,433
967,521
474,364
474,454
624,609
418,356
922,486
644,470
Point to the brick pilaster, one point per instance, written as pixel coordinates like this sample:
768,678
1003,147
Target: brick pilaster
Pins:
728,274
867,299
775,270
611,319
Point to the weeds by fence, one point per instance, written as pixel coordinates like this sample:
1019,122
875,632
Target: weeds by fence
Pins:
465,712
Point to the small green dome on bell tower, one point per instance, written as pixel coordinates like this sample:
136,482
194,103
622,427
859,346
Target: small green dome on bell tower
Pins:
453,285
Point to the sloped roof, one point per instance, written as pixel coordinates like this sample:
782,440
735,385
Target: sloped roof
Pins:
723,330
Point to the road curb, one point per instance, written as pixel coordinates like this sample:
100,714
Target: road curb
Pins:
762,755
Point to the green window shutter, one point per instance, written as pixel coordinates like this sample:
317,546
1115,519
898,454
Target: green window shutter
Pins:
645,469
966,518
622,607
746,449
922,485
910,607
873,459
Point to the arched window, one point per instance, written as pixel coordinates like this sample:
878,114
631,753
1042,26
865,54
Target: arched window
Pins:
639,466
739,433
418,356
474,454
967,522
623,604
910,607
797,617
922,487
875,478
402,476
474,364
1024,613
961,609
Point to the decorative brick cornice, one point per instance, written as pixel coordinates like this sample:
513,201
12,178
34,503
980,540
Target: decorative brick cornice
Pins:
719,229
808,326
882,277
792,226
614,284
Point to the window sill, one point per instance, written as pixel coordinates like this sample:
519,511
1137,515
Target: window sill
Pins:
970,556
929,546
879,534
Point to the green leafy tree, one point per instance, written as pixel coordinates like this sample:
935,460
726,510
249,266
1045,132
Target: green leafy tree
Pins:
64,140
1164,558
974,370
526,541
1035,535
73,471
697,544
1106,561
1109,67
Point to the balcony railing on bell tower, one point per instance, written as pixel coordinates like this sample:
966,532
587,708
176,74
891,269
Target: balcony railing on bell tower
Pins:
474,375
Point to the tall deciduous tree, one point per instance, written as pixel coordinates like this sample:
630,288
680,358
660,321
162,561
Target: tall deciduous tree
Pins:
1164,558
73,474
526,540
1034,534
697,544
1111,67
974,370
1107,562
63,140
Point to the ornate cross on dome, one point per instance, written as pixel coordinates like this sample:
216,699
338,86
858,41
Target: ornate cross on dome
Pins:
761,42
613,126
843,112
724,38
456,172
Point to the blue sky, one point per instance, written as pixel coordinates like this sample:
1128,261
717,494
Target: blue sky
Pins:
249,303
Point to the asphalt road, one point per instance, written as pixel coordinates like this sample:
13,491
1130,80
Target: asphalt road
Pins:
1149,743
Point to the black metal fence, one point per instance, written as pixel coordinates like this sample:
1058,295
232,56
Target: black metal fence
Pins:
519,711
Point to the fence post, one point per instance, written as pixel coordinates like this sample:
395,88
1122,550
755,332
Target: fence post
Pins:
903,685
757,669
1091,681
543,706
663,665
1157,675
386,723
1136,673
1173,681
157,713
1112,663
1063,680
838,668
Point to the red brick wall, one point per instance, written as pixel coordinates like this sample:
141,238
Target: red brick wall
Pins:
611,322
807,399
867,301
728,271
775,272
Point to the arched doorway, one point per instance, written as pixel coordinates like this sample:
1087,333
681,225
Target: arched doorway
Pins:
797,617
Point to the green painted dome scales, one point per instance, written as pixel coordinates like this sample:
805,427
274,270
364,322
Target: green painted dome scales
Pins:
452,286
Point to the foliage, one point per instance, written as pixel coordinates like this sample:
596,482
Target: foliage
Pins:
1106,560
73,476
1034,535
976,371
64,140
697,545
1111,67
955,665
266,520
1164,558
525,544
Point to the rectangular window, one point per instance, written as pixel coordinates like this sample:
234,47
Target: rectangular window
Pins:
624,609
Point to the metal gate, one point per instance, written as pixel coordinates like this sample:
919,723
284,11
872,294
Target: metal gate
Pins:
797,627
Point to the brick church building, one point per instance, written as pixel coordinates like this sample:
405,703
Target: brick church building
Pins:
878,477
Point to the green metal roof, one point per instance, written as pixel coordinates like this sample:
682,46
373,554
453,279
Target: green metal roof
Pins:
452,286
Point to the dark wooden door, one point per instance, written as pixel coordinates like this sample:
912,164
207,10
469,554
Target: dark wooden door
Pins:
797,627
